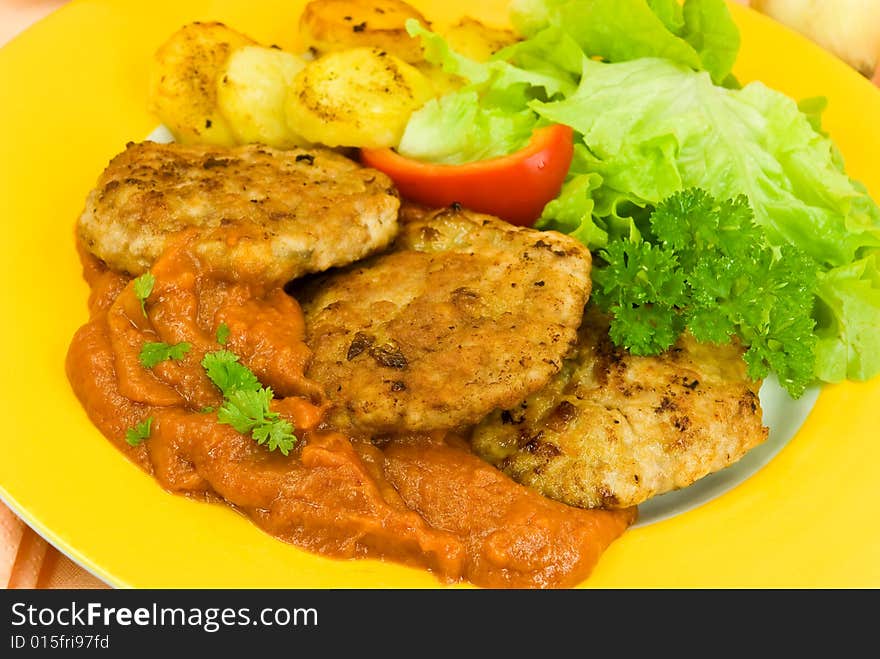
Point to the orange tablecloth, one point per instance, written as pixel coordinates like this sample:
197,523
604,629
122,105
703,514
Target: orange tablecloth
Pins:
28,561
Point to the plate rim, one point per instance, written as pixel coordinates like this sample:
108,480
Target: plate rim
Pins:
49,27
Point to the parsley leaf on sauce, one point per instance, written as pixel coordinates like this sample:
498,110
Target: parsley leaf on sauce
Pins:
246,404
222,333
225,371
154,353
136,436
143,286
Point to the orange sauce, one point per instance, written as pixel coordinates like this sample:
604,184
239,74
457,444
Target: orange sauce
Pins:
424,501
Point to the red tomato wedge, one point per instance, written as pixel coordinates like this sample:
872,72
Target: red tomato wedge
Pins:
514,187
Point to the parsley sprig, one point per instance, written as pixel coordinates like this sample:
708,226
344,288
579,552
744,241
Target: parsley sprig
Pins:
222,333
140,432
143,287
153,353
246,404
705,266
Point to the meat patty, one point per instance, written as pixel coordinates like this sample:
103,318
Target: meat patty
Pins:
613,429
294,212
466,314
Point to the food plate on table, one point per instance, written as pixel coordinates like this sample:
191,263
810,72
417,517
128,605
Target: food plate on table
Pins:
796,512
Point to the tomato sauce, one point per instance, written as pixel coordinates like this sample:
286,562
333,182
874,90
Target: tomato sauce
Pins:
420,500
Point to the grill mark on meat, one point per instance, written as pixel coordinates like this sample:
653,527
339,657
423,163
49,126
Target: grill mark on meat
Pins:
561,416
542,449
666,405
609,499
526,437
213,162
360,343
540,244
508,418
389,355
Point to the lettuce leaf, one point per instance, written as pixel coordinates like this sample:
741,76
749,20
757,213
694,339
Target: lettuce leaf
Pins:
651,127
710,30
551,52
700,34
490,115
671,13
459,128
495,74
572,211
848,317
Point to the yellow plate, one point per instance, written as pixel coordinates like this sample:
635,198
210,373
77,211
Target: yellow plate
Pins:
73,93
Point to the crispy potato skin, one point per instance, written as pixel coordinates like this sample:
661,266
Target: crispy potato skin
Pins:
613,429
330,25
251,92
183,88
362,97
212,85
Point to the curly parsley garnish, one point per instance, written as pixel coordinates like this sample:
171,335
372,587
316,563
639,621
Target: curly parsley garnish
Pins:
707,267
222,333
246,404
136,436
154,353
143,287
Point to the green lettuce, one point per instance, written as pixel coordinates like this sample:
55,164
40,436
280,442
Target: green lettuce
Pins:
671,13
646,85
651,127
490,115
496,74
699,34
459,128
848,316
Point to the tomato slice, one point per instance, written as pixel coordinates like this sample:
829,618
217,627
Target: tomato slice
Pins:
514,187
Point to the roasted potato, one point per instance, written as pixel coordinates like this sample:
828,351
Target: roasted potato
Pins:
471,38
361,97
251,90
183,87
331,25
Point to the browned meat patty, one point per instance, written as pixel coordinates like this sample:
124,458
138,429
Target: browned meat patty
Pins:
295,212
466,314
612,429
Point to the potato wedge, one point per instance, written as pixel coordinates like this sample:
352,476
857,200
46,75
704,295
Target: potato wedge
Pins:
251,91
361,97
331,25
471,38
183,88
